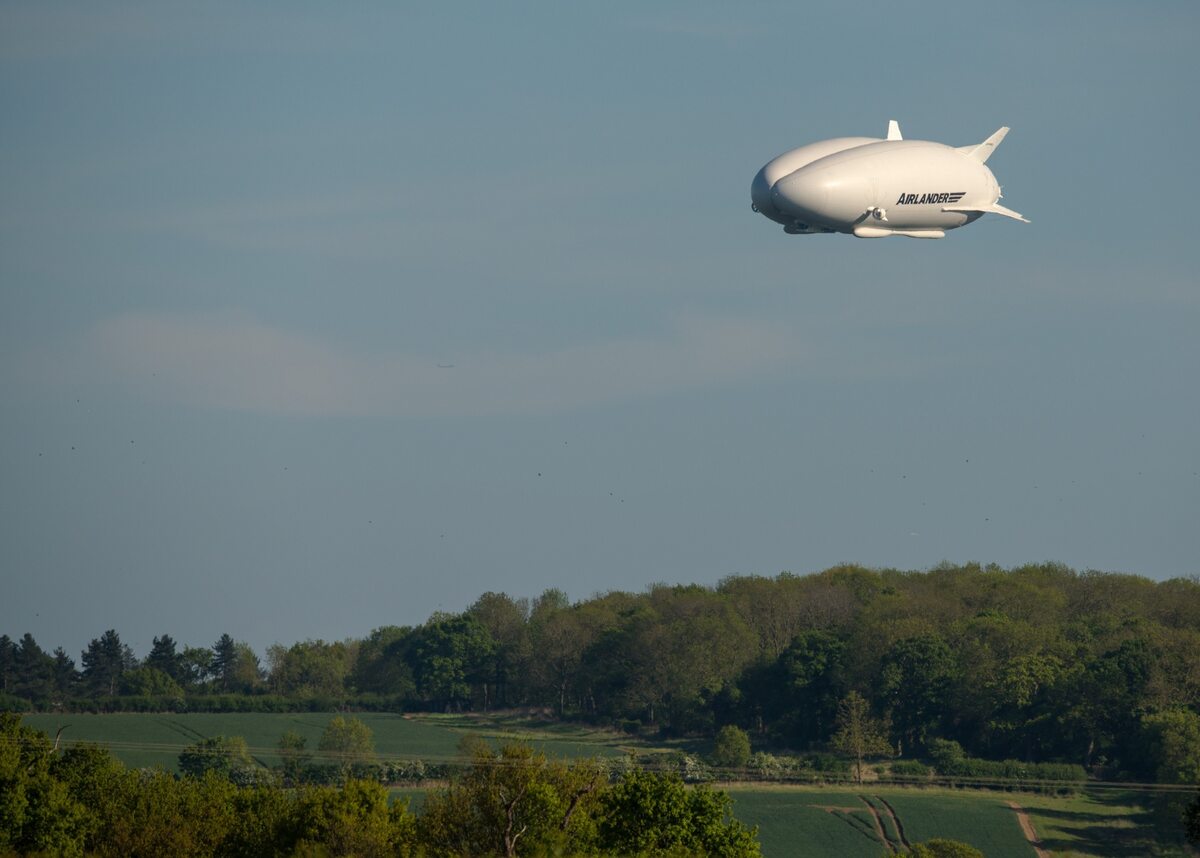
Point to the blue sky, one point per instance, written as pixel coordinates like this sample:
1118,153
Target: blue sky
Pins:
315,319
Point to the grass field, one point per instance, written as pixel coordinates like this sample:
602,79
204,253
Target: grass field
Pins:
808,821
793,821
1111,823
148,740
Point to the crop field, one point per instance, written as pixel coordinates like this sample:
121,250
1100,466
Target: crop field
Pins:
810,821
869,823
148,740
792,820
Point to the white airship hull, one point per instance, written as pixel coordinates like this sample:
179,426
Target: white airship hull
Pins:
874,188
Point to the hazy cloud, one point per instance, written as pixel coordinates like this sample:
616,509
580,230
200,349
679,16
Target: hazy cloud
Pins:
231,361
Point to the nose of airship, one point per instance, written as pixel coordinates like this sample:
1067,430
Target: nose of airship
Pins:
760,195
829,197
800,194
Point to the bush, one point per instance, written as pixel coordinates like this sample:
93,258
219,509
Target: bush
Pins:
1011,770
829,764
910,769
629,725
767,766
732,748
945,754
11,703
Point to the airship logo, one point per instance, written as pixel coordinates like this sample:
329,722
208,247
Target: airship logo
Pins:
862,186
929,199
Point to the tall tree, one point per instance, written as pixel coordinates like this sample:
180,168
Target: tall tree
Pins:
654,814
224,661
514,802
34,668
380,666
63,675
505,620
196,665
1171,743
918,675
165,657
450,655
295,757
104,660
859,735
8,664
347,741
310,668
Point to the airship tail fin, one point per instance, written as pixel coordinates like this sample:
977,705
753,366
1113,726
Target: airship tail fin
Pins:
982,151
994,208
894,130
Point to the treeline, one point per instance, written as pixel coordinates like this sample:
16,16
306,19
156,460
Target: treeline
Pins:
510,802
1039,663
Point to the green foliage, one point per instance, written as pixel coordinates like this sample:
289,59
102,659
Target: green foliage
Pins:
150,682
447,654
37,812
945,753
224,756
354,821
939,847
953,763
918,674
104,660
859,735
347,741
310,668
650,814
731,750
513,802
910,769
1191,822
1036,663
1172,746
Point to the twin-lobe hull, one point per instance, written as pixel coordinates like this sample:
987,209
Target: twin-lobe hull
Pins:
875,188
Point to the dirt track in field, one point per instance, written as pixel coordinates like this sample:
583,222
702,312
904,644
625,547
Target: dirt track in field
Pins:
1027,827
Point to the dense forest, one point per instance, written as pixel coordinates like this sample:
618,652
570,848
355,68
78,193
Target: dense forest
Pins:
1039,663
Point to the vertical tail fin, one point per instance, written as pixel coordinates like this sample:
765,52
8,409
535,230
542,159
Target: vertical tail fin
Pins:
982,151
894,130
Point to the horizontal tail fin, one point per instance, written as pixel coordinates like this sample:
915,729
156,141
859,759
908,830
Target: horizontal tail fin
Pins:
994,208
982,151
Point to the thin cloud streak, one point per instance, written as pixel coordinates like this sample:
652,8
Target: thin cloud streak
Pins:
232,362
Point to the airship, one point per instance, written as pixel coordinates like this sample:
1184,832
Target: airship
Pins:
874,188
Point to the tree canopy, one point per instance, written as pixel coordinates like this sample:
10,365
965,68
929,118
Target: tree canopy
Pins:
1038,663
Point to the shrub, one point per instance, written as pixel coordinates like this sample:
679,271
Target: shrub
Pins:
909,769
732,748
945,754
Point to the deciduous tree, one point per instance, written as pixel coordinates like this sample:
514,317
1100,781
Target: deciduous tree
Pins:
859,735
651,814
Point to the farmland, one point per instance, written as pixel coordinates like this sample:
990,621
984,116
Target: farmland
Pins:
820,822
148,740
810,821
792,820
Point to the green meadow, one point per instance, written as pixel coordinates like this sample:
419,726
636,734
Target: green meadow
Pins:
149,740
800,821
792,820
811,821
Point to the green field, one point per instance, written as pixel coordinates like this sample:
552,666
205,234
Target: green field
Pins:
148,740
792,821
808,821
